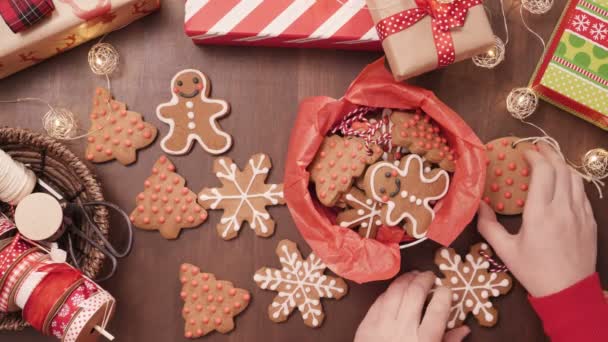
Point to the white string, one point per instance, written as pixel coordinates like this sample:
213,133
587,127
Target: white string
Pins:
413,243
523,20
504,19
549,140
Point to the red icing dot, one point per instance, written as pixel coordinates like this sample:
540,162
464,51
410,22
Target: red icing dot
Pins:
520,203
99,148
332,144
415,134
162,219
219,286
524,187
346,143
237,305
115,141
178,219
500,206
133,120
226,310
487,161
123,113
525,172
190,219
246,297
195,296
183,294
199,332
494,187
194,283
171,168
175,180
205,319
504,142
498,172
157,188
140,126
385,198
168,209
154,197
508,195
509,181
344,180
321,180
185,191
205,288
154,209
176,200
512,166
218,321
232,292
112,120
340,154
90,156
359,146
220,299
146,220
332,163
212,308
183,280
164,198
332,186
501,156
487,199
162,159
147,184
108,152
323,195
353,167
91,139
205,276
489,147
169,189
344,167
334,176
129,131
188,334
128,143
147,134
451,157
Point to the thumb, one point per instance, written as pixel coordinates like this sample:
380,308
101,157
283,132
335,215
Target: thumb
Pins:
493,231
456,335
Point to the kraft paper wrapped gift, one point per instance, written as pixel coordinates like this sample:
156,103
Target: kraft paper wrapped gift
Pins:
412,51
72,23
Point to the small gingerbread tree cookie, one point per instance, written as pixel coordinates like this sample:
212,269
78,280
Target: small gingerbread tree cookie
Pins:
420,135
210,304
116,133
166,204
300,284
472,284
244,196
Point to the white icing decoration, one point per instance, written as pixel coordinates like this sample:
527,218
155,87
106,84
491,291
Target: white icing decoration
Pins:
190,115
418,201
470,288
308,283
404,194
191,125
189,104
365,219
403,171
258,219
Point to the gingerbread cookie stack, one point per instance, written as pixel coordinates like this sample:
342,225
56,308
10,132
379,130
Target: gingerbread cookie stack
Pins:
388,168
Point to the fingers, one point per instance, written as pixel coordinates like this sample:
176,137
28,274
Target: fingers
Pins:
563,182
494,232
457,335
387,305
578,189
436,315
542,181
415,296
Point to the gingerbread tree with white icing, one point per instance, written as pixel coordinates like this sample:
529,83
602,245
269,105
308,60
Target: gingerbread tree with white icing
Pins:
115,132
166,204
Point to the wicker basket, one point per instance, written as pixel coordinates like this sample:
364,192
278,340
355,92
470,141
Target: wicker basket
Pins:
54,163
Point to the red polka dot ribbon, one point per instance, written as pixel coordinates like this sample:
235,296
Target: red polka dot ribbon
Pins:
444,17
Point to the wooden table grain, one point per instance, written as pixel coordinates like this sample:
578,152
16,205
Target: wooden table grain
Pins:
264,86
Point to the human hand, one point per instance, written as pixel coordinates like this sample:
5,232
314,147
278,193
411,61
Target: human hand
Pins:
557,244
396,315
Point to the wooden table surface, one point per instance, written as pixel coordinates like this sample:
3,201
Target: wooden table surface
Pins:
264,87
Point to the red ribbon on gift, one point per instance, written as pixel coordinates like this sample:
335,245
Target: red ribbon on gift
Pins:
444,17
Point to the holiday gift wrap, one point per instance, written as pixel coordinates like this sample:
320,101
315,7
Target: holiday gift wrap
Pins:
342,249
336,24
72,23
422,35
573,74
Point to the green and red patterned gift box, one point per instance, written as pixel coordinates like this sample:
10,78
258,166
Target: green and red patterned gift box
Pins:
573,74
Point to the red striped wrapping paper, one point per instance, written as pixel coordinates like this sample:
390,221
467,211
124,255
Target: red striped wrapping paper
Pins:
334,24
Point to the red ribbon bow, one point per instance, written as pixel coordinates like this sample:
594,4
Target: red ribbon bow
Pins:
444,17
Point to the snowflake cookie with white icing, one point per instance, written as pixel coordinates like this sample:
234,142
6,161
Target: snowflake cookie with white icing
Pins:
472,284
300,284
244,196
364,213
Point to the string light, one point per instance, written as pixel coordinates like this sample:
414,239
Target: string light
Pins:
60,123
103,59
491,58
537,6
595,163
522,102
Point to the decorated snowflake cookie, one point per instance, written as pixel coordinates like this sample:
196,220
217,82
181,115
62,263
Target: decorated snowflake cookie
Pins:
472,284
365,213
243,196
300,283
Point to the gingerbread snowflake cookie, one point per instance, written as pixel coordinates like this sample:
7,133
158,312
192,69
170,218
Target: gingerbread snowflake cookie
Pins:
406,191
338,162
244,196
420,135
210,304
300,284
472,284
364,213
192,115
166,204
508,176
115,132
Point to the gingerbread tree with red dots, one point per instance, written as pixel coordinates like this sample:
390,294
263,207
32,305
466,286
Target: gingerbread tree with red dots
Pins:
166,204
210,304
115,132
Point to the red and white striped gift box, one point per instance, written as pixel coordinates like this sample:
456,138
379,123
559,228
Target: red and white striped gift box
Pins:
334,24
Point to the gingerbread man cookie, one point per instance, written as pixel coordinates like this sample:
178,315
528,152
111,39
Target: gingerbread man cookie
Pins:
407,191
192,115
508,175
338,162
420,135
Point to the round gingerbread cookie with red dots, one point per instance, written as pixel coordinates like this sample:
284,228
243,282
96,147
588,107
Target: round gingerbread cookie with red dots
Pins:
209,304
166,204
508,175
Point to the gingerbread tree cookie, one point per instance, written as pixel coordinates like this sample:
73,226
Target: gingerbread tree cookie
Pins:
364,215
116,133
192,115
166,204
244,196
300,284
210,304
472,284
337,163
420,135
407,191
508,176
